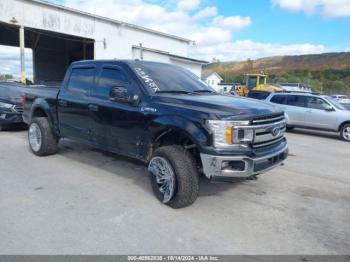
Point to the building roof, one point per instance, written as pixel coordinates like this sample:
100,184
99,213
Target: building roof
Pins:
170,55
76,11
205,75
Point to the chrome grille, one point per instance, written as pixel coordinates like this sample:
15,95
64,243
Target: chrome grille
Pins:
269,130
268,119
18,109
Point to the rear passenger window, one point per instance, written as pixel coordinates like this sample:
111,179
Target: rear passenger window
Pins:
81,80
110,77
299,101
279,99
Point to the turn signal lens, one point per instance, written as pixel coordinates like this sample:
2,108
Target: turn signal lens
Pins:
229,135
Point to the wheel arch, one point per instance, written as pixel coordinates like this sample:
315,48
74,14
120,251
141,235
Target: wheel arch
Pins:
177,131
41,108
343,124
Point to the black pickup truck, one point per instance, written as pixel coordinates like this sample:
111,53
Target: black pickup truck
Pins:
164,116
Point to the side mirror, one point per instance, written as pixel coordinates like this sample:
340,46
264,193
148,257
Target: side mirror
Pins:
329,108
120,94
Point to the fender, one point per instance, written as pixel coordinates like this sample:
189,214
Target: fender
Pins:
197,133
287,118
42,104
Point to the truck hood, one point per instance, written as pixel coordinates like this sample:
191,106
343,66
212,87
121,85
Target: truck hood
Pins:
221,105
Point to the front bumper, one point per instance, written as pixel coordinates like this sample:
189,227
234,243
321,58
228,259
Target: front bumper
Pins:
7,118
231,167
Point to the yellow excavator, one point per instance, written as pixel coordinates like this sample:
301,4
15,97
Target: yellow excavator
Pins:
256,82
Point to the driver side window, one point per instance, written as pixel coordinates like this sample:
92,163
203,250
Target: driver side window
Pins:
317,103
110,77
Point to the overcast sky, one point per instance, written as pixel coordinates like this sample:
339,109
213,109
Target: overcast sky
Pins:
238,29
10,61
228,29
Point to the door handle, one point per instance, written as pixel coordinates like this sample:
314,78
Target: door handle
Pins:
63,103
93,108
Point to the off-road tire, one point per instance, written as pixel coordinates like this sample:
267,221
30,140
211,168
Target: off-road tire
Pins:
49,141
342,133
186,176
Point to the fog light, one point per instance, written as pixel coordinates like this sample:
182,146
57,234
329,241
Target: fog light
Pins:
233,165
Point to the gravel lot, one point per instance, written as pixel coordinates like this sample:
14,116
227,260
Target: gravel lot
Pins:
84,201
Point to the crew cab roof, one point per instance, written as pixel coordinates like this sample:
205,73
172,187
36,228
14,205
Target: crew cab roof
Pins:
123,61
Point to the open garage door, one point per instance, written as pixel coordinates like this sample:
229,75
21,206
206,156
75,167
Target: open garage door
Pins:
52,52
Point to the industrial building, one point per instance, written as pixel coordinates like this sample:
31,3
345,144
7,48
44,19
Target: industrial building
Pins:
60,35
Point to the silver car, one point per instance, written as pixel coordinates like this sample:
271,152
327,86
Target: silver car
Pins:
313,111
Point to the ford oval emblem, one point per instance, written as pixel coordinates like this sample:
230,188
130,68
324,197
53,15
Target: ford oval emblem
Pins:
276,131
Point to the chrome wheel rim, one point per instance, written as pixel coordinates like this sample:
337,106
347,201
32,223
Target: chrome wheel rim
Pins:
164,174
35,137
346,133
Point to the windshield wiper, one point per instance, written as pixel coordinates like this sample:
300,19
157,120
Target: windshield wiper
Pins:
204,91
173,92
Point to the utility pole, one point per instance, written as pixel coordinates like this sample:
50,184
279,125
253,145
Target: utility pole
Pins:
22,47
141,51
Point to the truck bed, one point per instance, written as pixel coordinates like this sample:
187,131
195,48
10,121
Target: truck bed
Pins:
47,93
11,91
42,91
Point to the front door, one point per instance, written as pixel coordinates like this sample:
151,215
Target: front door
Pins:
116,125
317,115
73,104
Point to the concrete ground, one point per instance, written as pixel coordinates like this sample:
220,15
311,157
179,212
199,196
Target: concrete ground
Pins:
83,201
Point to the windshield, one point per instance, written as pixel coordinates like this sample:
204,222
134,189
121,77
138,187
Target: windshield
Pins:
251,82
262,80
336,103
169,78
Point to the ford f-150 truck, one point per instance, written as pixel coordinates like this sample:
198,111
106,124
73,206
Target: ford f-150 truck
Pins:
164,116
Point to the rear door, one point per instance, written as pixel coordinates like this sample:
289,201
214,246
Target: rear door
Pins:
317,116
73,104
281,101
295,109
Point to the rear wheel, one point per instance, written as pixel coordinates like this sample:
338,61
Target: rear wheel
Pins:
174,176
345,133
42,140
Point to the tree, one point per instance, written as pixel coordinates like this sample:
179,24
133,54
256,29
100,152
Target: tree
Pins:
338,86
239,79
5,76
317,85
249,66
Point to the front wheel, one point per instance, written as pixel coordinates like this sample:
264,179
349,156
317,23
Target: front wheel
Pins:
345,133
174,176
42,140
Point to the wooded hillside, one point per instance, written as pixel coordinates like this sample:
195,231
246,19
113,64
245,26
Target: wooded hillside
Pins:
328,72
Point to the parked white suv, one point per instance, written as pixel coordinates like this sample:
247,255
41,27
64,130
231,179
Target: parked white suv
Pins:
313,111
343,99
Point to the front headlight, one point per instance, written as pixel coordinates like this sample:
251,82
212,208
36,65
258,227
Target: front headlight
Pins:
5,105
230,133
